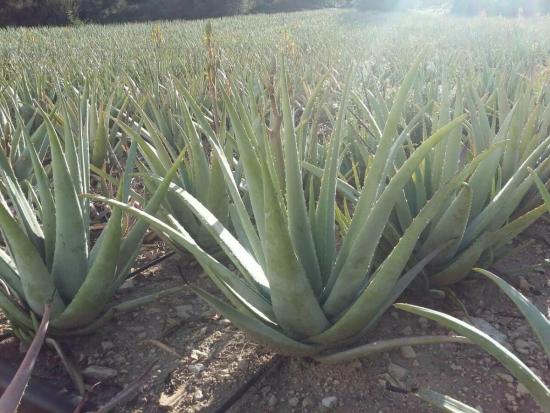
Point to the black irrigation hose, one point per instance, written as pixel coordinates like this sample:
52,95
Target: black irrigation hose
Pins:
151,263
268,367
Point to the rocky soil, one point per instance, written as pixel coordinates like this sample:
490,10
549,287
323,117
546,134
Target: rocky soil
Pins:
196,361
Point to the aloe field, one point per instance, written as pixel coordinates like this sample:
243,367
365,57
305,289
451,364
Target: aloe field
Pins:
307,212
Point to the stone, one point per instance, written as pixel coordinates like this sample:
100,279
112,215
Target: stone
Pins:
198,354
408,352
506,377
272,401
128,284
308,402
522,346
397,371
242,364
407,331
509,398
293,401
329,402
107,345
196,368
524,284
198,395
99,372
184,311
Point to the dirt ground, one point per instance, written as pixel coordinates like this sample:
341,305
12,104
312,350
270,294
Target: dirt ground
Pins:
203,364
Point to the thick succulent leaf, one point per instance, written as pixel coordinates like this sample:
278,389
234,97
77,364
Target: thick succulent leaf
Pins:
324,228
258,330
235,251
517,368
451,226
130,245
294,302
93,294
299,226
383,346
46,203
443,402
536,319
13,311
376,170
37,282
359,259
70,260
9,273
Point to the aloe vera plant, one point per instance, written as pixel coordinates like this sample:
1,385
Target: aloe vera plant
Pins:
48,256
296,291
159,145
488,211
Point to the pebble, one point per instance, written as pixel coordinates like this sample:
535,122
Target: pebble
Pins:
130,283
397,371
196,368
242,364
198,394
184,311
524,284
99,372
293,401
272,401
107,345
522,346
198,354
506,377
408,352
423,322
329,402
308,402
509,397
407,331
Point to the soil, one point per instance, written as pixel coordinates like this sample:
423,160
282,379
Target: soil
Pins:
203,364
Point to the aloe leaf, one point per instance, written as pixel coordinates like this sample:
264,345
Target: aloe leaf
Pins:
532,383
451,225
47,204
9,273
443,402
383,346
536,319
343,284
323,228
298,220
100,141
294,302
92,296
258,330
70,260
128,249
13,311
376,170
37,282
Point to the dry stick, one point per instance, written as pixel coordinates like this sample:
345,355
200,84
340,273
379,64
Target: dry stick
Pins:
15,390
127,392
268,367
